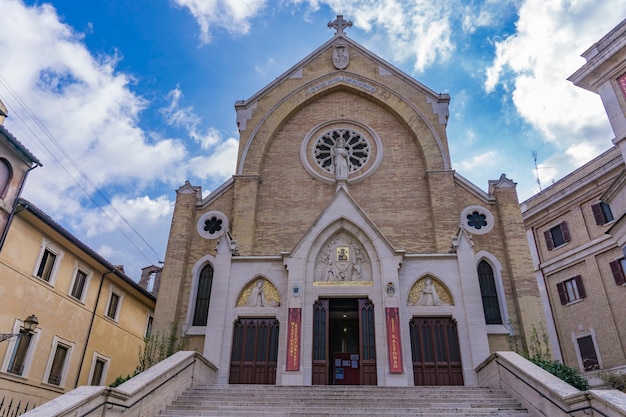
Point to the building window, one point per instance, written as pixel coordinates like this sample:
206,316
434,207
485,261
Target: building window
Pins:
113,306
99,367
489,293
17,363
602,213
557,236
58,364
149,325
5,176
48,262
79,285
617,268
571,290
203,296
46,265
588,354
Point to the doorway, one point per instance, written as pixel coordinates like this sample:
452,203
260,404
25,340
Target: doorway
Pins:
254,351
344,350
435,351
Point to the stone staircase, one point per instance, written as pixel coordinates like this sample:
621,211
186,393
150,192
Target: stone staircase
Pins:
343,401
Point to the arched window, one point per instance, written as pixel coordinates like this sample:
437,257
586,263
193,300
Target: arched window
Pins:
489,293
5,176
203,296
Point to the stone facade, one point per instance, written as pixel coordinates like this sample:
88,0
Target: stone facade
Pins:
309,227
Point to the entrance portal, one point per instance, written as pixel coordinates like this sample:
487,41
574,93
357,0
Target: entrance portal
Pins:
344,342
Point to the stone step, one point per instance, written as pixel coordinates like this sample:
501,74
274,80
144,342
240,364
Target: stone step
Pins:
337,401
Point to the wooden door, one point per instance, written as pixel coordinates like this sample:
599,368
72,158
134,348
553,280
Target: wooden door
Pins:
320,342
254,351
435,351
367,342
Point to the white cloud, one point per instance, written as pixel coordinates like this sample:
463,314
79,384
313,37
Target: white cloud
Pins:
232,15
87,107
534,64
466,166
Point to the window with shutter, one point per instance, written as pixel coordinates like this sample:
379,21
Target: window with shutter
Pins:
557,236
602,213
617,268
571,290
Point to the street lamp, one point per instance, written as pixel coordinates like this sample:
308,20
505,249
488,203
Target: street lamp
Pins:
30,324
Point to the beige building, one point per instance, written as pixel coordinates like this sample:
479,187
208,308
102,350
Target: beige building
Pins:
576,230
345,249
92,317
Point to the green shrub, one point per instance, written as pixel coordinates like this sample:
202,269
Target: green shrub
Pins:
567,374
156,348
614,380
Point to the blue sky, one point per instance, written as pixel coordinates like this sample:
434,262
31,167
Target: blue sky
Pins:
125,100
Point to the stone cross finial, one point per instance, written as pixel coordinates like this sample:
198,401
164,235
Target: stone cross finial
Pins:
339,24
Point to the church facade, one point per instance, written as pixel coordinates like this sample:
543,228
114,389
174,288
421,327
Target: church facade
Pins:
345,249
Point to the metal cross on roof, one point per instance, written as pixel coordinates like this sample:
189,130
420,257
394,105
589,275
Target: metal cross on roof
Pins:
340,24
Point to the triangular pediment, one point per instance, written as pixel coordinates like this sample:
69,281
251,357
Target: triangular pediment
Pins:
343,216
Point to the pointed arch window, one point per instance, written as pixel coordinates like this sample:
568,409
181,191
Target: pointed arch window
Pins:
489,293
203,296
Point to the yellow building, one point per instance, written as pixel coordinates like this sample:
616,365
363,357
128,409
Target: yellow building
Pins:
345,249
92,317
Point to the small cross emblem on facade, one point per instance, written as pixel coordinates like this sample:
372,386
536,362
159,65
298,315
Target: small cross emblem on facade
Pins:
339,24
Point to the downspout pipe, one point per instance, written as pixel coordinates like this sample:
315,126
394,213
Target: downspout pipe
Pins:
93,318
5,232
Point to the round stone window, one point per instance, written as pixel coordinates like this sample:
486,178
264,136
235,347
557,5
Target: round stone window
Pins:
477,220
341,150
354,143
212,225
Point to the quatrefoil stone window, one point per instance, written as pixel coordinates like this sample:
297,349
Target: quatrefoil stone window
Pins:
477,220
212,225
356,145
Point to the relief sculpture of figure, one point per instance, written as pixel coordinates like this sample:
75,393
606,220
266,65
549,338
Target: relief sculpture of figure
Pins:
356,264
340,159
429,295
257,297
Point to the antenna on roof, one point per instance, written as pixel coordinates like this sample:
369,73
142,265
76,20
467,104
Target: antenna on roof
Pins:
534,153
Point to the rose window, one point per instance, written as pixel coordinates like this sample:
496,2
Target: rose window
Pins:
476,220
357,147
213,225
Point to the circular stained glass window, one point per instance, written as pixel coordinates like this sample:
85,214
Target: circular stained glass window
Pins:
354,143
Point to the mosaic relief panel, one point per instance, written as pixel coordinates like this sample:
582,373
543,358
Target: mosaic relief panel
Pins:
429,291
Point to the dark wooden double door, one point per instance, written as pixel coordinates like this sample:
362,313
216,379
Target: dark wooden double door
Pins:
254,351
435,351
344,343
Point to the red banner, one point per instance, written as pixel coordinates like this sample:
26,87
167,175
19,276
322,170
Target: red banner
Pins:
393,340
293,340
